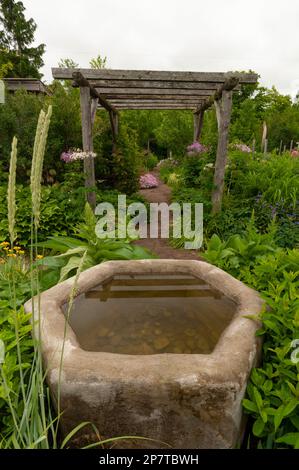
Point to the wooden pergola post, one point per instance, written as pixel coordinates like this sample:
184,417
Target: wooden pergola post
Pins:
114,127
87,117
223,112
89,101
198,123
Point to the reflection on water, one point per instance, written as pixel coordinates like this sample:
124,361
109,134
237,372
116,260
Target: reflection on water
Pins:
155,314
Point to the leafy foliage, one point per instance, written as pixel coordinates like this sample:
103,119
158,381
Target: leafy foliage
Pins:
61,210
16,40
94,250
273,392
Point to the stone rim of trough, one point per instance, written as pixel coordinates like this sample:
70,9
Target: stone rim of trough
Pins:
235,353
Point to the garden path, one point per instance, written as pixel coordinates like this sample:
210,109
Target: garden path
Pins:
160,246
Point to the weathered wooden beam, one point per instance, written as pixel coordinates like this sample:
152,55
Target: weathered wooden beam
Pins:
32,85
159,84
108,74
114,128
93,109
86,118
156,106
198,123
223,107
81,81
111,92
155,98
193,103
157,101
228,85
153,102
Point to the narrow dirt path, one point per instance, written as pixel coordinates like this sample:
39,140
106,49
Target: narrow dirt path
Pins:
160,246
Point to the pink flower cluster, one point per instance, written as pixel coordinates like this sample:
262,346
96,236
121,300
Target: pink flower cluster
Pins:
148,181
77,154
242,148
295,153
196,148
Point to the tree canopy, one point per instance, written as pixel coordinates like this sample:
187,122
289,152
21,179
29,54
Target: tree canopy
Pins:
16,39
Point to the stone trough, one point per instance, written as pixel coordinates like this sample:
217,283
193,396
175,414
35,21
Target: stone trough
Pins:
160,349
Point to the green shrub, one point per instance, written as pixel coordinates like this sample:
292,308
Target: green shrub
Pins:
273,393
274,178
126,162
62,208
149,161
86,245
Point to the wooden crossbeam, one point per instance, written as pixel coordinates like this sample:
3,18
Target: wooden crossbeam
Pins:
228,85
127,102
111,74
155,98
155,106
81,81
151,92
159,84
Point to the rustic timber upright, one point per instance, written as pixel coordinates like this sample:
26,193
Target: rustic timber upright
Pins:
116,90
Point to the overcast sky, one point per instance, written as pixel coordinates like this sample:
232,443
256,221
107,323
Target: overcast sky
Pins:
190,35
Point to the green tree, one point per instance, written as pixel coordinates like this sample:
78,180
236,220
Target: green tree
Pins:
16,38
67,64
4,69
98,62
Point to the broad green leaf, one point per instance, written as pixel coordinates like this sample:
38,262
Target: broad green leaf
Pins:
250,406
73,263
258,427
291,438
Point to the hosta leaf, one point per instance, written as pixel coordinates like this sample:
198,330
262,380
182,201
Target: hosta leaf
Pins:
215,243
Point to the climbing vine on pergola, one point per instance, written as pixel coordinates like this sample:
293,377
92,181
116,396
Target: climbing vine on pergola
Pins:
116,90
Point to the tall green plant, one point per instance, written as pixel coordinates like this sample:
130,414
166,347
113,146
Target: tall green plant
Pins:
11,193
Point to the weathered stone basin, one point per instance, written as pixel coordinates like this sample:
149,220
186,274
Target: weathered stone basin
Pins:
171,366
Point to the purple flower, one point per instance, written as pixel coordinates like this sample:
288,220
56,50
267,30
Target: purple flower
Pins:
77,154
66,157
148,181
196,148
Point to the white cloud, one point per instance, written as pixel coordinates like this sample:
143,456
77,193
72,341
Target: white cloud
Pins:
217,35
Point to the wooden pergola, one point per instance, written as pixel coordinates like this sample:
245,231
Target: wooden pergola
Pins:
116,90
31,85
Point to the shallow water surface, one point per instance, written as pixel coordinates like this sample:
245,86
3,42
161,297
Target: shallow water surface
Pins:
151,314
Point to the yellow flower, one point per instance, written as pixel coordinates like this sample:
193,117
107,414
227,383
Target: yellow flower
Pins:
21,252
4,244
6,248
12,255
17,248
39,257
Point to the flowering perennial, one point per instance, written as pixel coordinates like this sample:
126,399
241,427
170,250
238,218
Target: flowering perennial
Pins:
295,153
196,148
242,148
148,181
167,161
76,154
